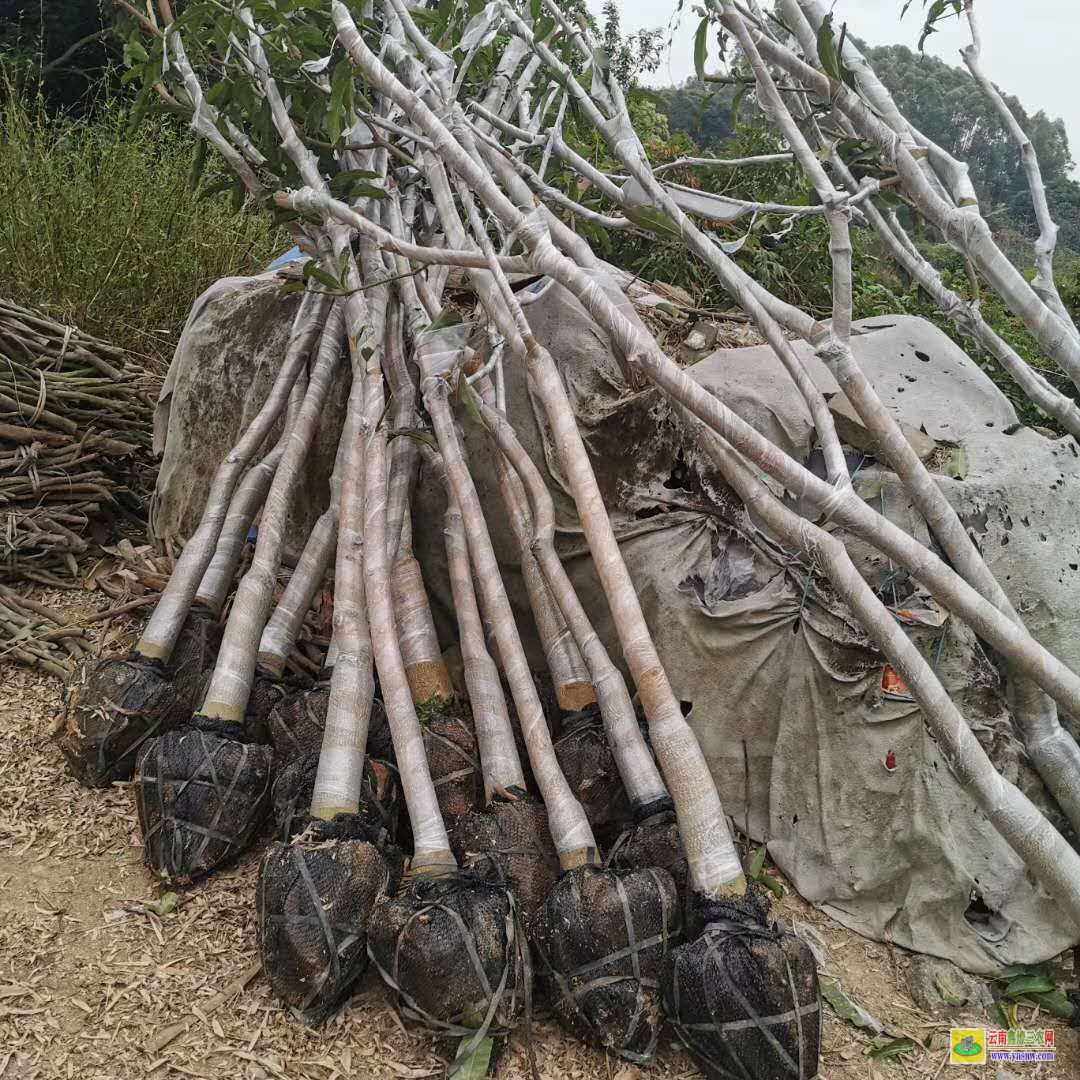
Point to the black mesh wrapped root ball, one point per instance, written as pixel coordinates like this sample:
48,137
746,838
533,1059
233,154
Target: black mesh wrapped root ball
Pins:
295,725
454,761
512,836
201,794
112,705
604,938
293,786
589,767
266,694
451,949
314,900
744,998
652,841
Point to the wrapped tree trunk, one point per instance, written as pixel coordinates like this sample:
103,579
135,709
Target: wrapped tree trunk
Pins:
115,705
604,935
446,944
202,791
315,895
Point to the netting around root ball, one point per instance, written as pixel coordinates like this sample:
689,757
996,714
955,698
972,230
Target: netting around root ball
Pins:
267,693
451,948
201,794
589,767
295,726
744,998
293,786
514,838
314,900
604,938
113,705
652,841
453,759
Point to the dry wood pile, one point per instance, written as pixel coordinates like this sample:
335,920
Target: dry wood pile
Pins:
75,419
75,435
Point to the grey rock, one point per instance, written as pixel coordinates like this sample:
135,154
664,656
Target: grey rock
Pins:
941,988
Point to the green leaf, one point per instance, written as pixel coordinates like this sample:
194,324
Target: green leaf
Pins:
343,179
957,465
291,287
198,164
736,101
826,48
653,220
1023,985
328,281
1011,971
447,317
756,863
894,1049
465,396
477,1064
846,1007
425,438
166,905
772,885
1056,1002
701,48
339,107
134,53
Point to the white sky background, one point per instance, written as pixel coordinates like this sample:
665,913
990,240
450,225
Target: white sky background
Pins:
1030,49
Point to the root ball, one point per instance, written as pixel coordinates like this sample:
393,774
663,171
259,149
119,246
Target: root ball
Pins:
604,938
450,948
589,767
453,759
514,837
295,726
744,997
112,705
653,841
314,901
379,799
201,794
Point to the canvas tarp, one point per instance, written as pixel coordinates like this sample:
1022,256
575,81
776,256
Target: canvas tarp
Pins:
812,742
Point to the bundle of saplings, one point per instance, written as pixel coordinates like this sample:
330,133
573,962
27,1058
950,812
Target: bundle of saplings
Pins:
117,704
319,885
405,146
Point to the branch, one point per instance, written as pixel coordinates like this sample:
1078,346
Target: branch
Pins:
1043,282
67,54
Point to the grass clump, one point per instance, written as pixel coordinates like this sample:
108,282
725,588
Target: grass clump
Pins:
100,227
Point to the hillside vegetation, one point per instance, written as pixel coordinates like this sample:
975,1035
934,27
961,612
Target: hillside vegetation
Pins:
100,224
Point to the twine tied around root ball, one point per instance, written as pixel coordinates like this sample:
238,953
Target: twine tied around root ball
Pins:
744,999
314,900
604,939
200,793
453,910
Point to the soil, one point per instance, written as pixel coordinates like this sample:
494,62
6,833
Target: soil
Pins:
89,976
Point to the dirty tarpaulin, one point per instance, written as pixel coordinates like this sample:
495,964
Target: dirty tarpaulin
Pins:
843,780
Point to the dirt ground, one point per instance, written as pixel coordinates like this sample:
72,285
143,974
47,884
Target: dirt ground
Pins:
87,980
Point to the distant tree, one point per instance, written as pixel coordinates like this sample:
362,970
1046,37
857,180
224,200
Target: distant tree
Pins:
700,109
946,104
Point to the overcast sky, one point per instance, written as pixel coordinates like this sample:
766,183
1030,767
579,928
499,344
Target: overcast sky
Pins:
1043,76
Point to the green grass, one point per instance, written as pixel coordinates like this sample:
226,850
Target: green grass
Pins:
99,227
